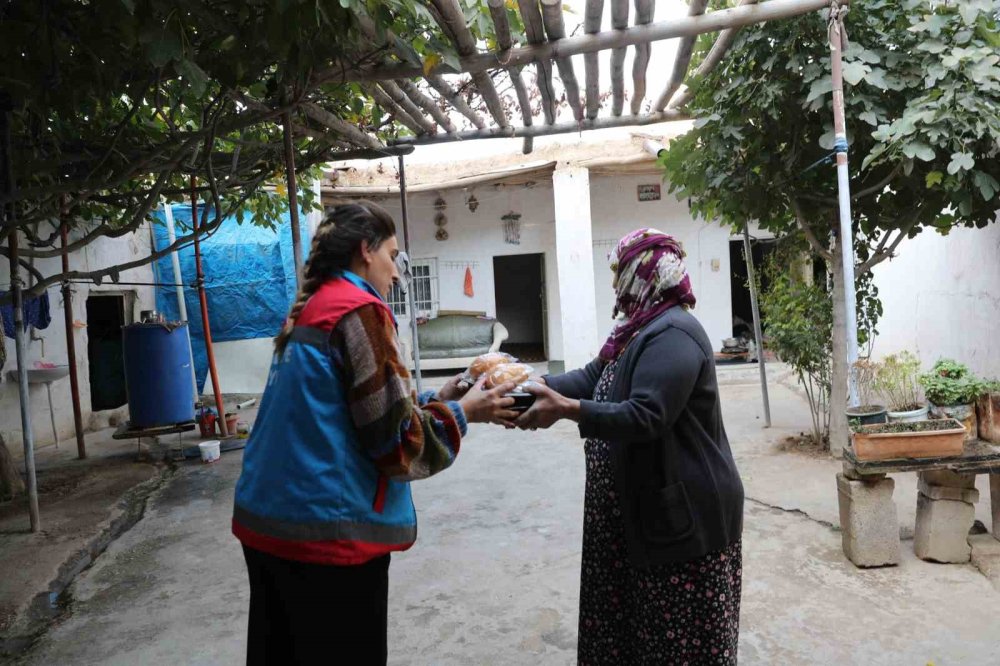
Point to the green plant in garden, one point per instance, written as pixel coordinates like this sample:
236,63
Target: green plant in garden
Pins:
950,383
866,371
896,381
798,317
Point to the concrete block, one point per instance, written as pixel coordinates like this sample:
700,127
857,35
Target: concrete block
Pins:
868,523
944,477
967,495
941,533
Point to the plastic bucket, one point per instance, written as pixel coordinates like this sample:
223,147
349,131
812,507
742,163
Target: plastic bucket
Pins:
210,451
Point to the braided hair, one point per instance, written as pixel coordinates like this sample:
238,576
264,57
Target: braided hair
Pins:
334,245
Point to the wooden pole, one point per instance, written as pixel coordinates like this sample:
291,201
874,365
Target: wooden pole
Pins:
734,17
555,29
206,325
293,197
545,130
535,32
593,15
643,15
619,21
74,378
682,60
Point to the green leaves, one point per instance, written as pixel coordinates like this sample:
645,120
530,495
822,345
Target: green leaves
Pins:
960,162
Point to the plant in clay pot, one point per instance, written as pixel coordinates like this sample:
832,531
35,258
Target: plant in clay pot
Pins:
868,412
896,380
988,412
952,391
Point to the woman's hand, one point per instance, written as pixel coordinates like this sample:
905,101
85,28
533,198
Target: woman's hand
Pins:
455,389
489,406
548,408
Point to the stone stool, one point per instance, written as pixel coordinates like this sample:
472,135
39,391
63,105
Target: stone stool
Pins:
868,523
946,509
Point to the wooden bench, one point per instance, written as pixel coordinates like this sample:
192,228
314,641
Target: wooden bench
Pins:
946,499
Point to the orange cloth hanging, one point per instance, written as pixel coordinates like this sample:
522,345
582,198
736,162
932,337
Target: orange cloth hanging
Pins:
468,282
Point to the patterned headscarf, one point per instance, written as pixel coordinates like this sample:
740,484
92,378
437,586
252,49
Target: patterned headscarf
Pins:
650,278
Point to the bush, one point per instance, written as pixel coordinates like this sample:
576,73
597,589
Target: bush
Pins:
897,381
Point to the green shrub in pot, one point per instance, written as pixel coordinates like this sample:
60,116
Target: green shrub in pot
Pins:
896,380
952,391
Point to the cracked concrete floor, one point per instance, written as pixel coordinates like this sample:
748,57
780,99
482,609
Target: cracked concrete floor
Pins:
493,577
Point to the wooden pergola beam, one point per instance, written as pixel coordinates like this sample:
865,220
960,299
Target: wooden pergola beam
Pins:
734,17
345,129
501,26
619,21
683,59
449,95
404,102
386,102
544,130
452,21
555,29
593,16
643,16
427,104
711,61
534,30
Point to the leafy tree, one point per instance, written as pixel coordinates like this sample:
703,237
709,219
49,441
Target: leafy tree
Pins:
922,100
113,105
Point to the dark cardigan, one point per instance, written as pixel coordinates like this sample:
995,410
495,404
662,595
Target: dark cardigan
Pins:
680,493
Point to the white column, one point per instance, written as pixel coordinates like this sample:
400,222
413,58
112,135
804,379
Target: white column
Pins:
316,216
575,262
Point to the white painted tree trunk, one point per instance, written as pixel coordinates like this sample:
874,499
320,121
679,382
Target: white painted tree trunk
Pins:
838,392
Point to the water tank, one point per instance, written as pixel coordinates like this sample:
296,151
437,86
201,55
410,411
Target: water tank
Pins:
158,374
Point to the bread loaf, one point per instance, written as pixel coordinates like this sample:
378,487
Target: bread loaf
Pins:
518,373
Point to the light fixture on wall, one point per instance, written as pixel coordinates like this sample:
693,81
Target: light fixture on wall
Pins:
512,228
473,203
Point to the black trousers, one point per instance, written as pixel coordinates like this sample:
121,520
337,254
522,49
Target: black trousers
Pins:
316,614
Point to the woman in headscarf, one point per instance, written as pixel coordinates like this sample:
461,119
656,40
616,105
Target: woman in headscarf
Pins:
661,573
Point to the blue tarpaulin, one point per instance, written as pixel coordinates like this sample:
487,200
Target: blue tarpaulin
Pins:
249,280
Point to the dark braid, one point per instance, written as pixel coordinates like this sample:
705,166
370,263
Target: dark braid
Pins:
335,243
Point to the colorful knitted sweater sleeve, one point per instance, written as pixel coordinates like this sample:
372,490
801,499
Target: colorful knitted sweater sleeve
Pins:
406,437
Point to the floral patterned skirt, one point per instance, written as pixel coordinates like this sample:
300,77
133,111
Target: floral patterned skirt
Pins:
685,613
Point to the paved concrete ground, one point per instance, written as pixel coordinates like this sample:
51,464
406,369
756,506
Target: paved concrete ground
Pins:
493,577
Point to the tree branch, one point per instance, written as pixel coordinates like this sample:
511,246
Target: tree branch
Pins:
879,186
807,231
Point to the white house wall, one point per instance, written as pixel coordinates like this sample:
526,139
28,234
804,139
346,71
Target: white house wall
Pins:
941,298
99,254
616,210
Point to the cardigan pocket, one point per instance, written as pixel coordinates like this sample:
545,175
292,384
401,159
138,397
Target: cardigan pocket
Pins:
665,514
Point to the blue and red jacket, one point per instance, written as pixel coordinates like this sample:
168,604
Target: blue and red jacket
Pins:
309,490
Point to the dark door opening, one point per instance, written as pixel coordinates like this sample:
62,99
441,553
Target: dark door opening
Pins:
105,352
520,296
742,308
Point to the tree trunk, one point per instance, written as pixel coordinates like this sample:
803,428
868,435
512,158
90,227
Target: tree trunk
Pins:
838,391
11,484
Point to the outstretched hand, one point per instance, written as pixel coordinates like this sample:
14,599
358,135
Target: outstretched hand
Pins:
455,389
489,406
548,408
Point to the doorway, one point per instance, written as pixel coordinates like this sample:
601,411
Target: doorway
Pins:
519,284
739,282
105,351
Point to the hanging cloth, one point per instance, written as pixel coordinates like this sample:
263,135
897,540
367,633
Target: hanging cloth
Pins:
36,313
468,282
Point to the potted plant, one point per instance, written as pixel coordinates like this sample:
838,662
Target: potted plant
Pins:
868,412
988,412
952,391
915,439
896,381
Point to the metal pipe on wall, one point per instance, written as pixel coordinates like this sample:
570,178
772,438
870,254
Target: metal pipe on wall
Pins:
168,214
410,298
757,330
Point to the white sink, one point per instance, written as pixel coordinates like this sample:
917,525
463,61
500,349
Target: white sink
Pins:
42,375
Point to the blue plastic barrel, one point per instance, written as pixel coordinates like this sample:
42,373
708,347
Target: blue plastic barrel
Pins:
158,374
